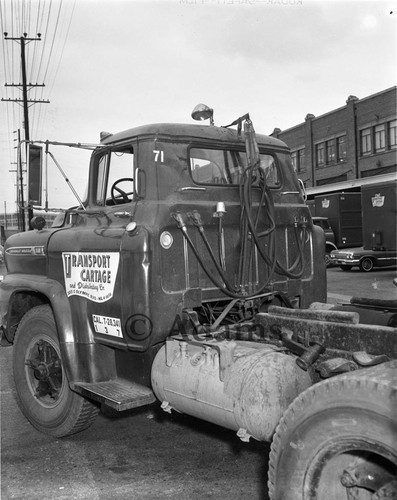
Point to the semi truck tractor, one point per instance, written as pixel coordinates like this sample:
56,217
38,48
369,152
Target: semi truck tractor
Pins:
192,274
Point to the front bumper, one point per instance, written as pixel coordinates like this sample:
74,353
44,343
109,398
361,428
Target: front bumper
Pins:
347,262
344,262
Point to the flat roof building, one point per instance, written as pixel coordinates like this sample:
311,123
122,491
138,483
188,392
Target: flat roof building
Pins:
351,143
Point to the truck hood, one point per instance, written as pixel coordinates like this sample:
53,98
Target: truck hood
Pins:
27,252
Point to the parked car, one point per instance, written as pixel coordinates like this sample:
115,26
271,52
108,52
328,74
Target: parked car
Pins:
366,260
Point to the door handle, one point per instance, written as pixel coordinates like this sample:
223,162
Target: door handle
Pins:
192,188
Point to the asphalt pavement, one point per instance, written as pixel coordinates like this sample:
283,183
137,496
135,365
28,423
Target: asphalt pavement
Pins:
377,284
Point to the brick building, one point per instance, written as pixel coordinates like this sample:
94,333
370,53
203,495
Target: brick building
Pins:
347,146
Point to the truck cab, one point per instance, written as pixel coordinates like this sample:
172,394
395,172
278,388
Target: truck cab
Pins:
185,228
123,255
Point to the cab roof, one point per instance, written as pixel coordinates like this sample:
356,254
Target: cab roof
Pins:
184,132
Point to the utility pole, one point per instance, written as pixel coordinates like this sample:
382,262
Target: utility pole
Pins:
20,189
5,215
25,102
19,184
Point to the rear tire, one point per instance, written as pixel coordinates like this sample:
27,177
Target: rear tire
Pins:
366,264
334,426
43,392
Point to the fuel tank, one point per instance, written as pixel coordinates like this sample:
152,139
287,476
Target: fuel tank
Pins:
243,386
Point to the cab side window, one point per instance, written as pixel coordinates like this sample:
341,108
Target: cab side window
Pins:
115,183
102,176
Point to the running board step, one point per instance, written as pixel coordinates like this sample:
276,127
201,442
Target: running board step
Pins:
118,394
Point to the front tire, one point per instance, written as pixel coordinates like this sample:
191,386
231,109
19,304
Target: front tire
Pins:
366,264
43,392
327,259
332,433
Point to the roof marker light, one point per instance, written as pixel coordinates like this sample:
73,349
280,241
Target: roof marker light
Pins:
203,112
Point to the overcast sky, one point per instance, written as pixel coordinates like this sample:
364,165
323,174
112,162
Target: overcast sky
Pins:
127,63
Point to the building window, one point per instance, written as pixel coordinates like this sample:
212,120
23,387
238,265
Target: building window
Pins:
366,143
301,160
330,149
341,146
320,149
298,160
380,144
294,158
392,127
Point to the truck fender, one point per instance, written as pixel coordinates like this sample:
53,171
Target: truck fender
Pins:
331,246
44,290
75,351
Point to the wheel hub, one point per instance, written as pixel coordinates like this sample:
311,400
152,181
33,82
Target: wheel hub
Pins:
46,374
41,371
371,476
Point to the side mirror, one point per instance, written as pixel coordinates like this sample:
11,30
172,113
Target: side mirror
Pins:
35,167
303,189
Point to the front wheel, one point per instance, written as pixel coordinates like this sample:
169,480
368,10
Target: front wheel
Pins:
327,259
43,392
338,440
366,264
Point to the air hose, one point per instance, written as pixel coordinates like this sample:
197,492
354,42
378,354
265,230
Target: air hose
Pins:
250,238
222,286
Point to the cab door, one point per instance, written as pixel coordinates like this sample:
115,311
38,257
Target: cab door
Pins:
88,249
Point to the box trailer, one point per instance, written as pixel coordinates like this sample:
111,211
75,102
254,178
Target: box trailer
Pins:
379,212
343,211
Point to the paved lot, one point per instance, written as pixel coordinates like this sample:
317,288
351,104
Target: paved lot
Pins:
144,454
377,284
141,455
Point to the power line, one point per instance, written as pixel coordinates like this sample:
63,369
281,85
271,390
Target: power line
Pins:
63,48
51,18
23,40
65,19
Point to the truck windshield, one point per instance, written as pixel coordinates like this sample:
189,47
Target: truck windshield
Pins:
221,166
